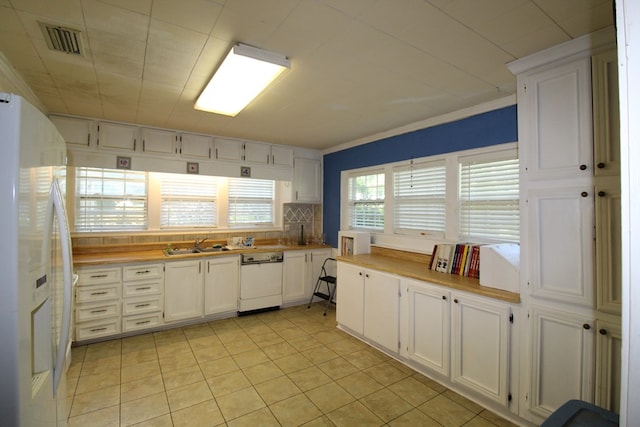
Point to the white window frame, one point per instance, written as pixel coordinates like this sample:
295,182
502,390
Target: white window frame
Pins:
154,200
346,199
419,242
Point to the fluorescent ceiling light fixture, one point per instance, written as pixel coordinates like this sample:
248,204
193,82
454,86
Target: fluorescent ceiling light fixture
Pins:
243,75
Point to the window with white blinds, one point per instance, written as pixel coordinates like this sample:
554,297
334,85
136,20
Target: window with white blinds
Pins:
366,201
251,202
489,199
110,200
419,198
188,200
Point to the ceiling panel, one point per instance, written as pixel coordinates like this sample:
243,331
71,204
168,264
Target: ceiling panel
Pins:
357,68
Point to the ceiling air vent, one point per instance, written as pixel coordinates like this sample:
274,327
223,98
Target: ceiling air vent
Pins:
63,39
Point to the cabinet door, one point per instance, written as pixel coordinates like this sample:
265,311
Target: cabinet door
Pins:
561,359
562,247
480,345
255,152
608,365
221,285
228,149
558,134
608,246
295,280
350,297
428,325
158,141
195,146
606,115
281,156
183,290
74,131
382,309
117,136
306,180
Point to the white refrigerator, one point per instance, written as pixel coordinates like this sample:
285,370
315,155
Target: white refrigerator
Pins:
36,269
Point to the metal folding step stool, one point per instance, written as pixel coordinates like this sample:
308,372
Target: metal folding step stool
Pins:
330,281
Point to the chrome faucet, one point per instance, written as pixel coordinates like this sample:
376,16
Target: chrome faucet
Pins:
197,243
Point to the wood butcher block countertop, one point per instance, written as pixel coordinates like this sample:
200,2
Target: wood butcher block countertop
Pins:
120,254
415,266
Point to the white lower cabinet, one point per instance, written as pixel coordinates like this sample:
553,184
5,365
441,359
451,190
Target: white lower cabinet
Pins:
295,279
369,304
562,360
301,271
382,309
427,325
98,302
142,300
183,290
350,297
480,330
460,336
221,282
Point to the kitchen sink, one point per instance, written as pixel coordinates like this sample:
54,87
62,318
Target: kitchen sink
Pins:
185,251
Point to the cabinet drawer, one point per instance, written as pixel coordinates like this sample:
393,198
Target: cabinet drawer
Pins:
98,293
142,305
142,288
142,272
98,328
97,311
134,323
98,276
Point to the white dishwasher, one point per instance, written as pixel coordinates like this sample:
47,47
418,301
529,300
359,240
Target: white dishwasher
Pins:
260,282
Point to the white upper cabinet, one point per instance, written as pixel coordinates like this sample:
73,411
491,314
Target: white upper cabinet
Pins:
228,149
561,244
74,131
606,116
608,207
556,130
281,156
117,136
195,146
255,152
306,181
157,141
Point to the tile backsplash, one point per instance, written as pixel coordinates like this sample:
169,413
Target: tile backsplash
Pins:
302,217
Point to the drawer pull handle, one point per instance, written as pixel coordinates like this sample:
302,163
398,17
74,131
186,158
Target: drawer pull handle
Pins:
102,310
98,276
145,288
98,329
143,272
99,293
142,305
144,322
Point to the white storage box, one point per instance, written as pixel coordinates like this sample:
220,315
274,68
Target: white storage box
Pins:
500,266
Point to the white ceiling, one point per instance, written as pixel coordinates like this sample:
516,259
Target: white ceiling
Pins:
358,67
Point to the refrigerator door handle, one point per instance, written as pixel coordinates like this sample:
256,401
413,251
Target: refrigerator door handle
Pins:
67,274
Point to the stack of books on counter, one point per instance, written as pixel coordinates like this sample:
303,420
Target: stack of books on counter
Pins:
462,259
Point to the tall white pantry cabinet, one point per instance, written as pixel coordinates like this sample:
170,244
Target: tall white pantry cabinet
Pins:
570,233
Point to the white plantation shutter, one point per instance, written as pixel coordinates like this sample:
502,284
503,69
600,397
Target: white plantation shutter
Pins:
188,200
110,200
489,199
251,201
366,201
419,198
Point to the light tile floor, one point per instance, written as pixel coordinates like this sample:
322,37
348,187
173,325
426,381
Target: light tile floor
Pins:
283,368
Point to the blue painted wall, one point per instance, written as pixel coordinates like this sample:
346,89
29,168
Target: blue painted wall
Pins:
482,130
